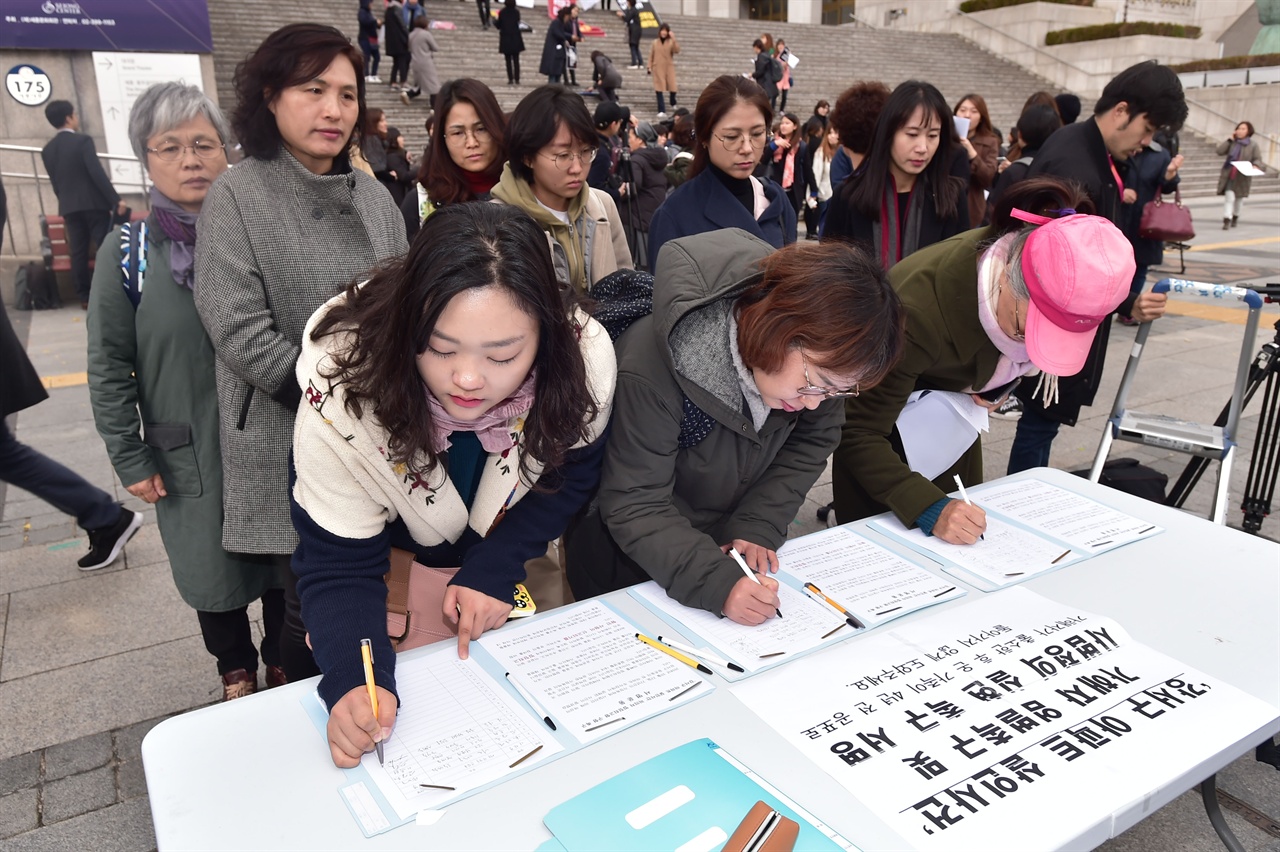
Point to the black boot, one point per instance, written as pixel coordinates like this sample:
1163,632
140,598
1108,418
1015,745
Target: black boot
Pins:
1234,219
1226,223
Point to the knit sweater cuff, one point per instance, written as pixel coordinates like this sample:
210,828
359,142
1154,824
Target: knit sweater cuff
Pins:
930,516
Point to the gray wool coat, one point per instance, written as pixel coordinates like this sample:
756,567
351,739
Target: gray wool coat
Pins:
275,243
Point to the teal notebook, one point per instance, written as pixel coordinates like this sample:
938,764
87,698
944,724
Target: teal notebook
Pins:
691,797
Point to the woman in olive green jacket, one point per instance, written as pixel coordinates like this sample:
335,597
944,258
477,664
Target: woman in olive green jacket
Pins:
152,388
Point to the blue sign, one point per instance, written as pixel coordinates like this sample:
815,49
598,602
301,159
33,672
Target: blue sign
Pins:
170,26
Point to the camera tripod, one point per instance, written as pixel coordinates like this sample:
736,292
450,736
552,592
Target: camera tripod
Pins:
1264,464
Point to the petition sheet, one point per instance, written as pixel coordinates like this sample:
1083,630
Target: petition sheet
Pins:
805,624
586,667
875,584
456,728
1006,555
1085,524
970,728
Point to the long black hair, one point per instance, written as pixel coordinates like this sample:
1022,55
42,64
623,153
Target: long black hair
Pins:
947,191
391,317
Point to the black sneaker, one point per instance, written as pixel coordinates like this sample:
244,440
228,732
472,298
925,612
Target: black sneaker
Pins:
106,543
1010,409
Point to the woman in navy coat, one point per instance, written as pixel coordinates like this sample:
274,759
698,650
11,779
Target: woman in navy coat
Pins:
731,124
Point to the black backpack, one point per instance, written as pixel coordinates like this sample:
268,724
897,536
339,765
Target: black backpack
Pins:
35,288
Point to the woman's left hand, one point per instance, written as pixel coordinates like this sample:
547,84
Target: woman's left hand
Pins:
968,147
758,557
1129,196
474,613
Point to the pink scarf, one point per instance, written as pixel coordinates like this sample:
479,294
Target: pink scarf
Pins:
491,427
1014,362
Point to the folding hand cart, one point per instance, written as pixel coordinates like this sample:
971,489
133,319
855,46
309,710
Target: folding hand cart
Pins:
1208,442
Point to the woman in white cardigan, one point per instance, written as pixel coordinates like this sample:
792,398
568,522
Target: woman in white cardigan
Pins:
455,406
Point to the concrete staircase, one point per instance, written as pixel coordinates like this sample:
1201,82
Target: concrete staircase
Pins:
830,59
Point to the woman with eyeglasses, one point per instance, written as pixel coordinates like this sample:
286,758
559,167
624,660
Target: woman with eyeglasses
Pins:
551,142
730,129
152,387
465,155
983,309
728,404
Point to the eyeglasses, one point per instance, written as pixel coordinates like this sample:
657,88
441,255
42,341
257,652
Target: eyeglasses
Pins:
457,136
733,141
173,151
810,389
564,158
1018,332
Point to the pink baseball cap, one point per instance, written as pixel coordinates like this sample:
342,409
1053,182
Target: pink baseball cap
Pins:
1077,270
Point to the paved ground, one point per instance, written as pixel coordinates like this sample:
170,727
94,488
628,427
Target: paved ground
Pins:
88,663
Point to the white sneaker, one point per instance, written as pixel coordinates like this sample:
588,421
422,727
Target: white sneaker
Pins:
374,79
1010,409
662,116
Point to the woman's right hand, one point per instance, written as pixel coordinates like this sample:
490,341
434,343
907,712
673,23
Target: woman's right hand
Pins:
960,523
149,490
751,603
353,731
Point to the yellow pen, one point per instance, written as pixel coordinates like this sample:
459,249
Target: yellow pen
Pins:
672,652
848,616
366,654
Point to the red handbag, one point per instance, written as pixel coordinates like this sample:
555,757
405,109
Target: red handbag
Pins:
1170,223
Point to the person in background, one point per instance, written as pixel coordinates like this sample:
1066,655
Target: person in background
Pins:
982,145
396,33
374,147
412,11
983,309
1068,106
482,6
510,40
823,155
903,198
646,190
86,198
605,78
1014,151
781,54
551,144
467,365
854,119
764,72
731,125
662,66
822,112
1035,126
464,156
367,35
1231,183
399,166
729,403
152,386
554,51
277,237
611,120
1152,172
812,133
1136,102
682,137
631,17
575,39
787,155
422,62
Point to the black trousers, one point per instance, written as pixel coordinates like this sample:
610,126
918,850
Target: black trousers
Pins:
295,656
483,7
513,67
86,229
227,635
400,68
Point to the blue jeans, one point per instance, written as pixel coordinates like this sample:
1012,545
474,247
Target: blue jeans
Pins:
58,486
636,58
1033,440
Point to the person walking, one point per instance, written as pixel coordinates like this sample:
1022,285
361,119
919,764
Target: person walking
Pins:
482,6
782,55
396,33
422,62
152,385
280,233
631,17
554,48
662,66
367,34
1231,182
510,40
86,198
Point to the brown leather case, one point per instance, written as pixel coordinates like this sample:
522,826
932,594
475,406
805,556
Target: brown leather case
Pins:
781,839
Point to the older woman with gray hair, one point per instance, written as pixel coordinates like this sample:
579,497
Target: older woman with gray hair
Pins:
152,387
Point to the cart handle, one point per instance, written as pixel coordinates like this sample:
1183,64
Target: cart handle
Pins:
1209,291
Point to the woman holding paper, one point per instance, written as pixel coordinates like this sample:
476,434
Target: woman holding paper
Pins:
455,406
728,407
1233,183
984,308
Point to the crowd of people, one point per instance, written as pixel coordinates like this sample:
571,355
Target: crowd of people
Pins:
577,337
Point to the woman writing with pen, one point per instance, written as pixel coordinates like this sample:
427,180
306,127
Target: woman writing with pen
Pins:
455,406
984,308
728,406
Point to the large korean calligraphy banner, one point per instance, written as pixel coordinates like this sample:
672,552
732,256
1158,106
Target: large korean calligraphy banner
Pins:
1010,723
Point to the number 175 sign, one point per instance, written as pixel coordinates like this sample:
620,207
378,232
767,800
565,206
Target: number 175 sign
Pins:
28,85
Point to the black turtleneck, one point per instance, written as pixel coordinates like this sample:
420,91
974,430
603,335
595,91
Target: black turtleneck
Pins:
740,188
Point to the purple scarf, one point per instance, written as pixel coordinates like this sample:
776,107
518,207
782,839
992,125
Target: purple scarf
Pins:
491,427
180,227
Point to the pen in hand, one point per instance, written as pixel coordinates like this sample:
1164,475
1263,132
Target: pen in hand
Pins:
964,495
366,655
746,569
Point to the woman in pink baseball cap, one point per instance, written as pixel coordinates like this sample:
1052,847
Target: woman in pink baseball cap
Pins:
984,308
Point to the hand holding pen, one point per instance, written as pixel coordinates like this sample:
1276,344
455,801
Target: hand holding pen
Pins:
354,728
961,522
752,599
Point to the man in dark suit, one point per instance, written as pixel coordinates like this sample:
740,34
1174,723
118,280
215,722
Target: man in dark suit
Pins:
85,194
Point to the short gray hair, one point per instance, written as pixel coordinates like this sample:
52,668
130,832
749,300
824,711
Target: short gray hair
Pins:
165,106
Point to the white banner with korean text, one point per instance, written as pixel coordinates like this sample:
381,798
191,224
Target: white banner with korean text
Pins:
1012,722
